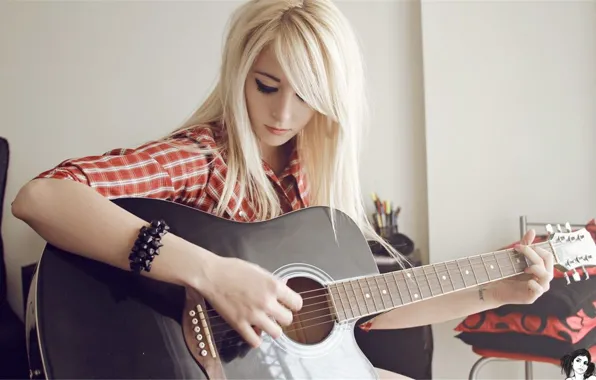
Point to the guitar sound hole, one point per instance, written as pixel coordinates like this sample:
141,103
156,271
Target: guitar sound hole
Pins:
313,323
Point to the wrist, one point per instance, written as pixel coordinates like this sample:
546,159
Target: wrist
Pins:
489,295
199,269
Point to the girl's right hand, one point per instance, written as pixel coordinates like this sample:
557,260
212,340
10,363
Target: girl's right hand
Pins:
249,297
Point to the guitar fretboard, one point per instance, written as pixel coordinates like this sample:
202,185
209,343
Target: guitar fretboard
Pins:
365,296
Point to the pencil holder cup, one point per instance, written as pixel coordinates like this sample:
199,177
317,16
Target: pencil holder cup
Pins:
383,226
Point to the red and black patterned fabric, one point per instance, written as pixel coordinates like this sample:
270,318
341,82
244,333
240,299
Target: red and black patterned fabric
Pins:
571,329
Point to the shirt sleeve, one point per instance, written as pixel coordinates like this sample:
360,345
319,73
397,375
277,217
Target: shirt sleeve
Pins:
171,171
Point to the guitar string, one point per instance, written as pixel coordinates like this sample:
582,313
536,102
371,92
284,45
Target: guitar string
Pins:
355,317
424,275
425,282
426,287
331,319
509,253
359,301
416,271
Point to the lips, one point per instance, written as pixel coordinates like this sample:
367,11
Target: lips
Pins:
277,131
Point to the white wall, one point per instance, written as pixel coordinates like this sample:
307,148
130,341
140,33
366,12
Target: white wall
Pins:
510,98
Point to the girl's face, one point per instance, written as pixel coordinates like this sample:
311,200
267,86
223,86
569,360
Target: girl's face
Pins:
580,364
276,112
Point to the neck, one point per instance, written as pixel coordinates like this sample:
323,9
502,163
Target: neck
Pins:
276,157
364,296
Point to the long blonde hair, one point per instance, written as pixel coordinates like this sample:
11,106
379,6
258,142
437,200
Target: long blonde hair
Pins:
319,54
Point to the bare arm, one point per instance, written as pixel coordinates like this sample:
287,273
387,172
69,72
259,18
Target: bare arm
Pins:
74,217
436,310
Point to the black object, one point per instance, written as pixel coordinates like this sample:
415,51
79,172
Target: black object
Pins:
402,243
561,300
13,352
4,159
96,321
147,246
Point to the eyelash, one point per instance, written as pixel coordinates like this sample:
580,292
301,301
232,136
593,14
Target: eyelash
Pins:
268,90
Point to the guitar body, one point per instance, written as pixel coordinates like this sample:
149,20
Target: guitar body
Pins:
88,320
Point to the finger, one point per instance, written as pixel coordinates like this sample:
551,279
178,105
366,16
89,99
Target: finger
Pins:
282,315
288,297
269,326
548,258
535,289
529,237
249,334
530,254
541,275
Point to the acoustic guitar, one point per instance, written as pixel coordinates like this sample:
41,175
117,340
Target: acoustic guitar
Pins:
89,320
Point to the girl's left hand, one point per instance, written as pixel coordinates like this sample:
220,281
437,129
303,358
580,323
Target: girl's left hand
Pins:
526,288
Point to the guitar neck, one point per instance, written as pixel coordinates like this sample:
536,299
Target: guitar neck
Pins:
364,296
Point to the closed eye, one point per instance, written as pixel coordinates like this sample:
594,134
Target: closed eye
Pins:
265,89
268,89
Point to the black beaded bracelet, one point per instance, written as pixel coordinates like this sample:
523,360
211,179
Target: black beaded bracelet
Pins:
147,246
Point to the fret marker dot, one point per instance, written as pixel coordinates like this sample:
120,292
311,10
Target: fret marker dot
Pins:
518,261
384,291
467,272
409,275
415,295
444,278
367,295
492,267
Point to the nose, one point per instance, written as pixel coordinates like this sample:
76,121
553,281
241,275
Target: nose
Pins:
282,109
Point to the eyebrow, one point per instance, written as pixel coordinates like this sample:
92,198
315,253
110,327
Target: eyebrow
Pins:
269,76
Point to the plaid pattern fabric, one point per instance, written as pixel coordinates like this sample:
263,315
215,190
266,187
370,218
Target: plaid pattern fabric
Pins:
173,171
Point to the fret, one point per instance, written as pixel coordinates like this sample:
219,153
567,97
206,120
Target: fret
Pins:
430,287
449,275
420,282
374,290
486,268
384,293
433,279
498,265
462,273
393,303
336,306
440,279
368,302
358,301
518,261
401,296
511,261
412,295
473,267
350,304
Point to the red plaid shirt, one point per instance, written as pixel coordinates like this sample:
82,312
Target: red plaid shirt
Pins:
160,170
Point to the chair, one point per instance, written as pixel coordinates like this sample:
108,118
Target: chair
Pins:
523,227
13,350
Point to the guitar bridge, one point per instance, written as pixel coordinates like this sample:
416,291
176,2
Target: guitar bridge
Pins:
199,337
201,329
